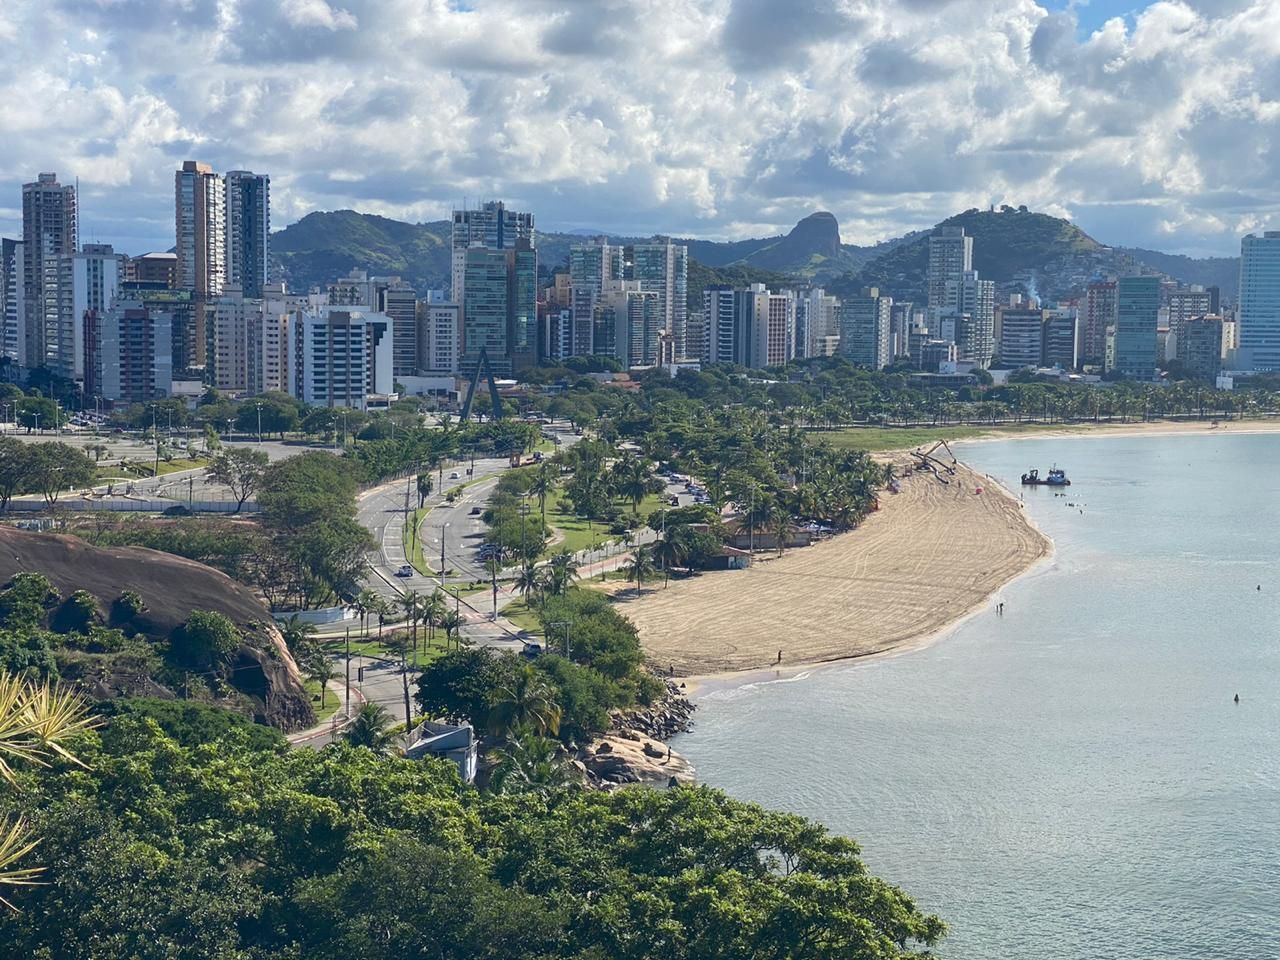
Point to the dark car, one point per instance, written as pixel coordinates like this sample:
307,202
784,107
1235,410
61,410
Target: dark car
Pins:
476,511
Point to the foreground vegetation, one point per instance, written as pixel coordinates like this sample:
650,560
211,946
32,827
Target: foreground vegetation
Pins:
217,849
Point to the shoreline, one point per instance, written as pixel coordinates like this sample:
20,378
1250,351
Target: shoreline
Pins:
700,685
1084,429
932,556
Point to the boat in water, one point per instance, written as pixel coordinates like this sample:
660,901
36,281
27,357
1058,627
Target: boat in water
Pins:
1056,478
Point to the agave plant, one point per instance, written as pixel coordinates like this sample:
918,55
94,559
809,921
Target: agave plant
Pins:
36,720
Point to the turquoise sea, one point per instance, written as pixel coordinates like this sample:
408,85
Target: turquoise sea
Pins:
1073,779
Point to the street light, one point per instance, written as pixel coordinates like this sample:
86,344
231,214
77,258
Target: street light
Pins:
568,625
258,406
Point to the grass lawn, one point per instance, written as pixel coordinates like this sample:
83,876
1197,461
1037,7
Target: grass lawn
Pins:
581,535
523,616
372,648
413,541
901,438
332,699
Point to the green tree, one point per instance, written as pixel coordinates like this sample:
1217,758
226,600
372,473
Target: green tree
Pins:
369,729
15,469
55,467
425,486
240,469
529,763
525,700
207,639
640,567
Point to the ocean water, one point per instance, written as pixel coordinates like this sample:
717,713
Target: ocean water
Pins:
1073,779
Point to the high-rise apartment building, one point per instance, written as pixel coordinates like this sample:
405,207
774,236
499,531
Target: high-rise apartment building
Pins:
492,226
864,329
136,355
399,301
726,329
1137,318
158,267
50,230
500,309
1200,347
627,324
13,309
815,321
1258,312
950,258
201,230
443,325
1061,339
662,267
89,284
975,299
591,266
248,218
1187,304
179,306
1099,314
1021,337
343,355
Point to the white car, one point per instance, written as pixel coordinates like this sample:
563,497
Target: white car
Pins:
405,571
454,475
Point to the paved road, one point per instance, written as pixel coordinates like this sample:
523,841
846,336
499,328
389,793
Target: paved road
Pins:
382,511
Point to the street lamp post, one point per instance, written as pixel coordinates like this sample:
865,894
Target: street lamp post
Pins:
568,625
258,406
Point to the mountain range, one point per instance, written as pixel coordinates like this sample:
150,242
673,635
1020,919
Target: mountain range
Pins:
1019,249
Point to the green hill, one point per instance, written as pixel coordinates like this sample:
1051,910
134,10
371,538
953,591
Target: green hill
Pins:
1220,272
322,246
1014,247
1007,243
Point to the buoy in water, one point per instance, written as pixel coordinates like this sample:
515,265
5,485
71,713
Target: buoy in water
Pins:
1237,698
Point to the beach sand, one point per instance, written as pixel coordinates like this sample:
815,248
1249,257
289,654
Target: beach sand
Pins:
931,554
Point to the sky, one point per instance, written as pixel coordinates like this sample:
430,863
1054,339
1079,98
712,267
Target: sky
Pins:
1150,125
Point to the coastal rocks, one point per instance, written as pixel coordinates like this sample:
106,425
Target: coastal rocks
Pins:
671,715
633,751
631,762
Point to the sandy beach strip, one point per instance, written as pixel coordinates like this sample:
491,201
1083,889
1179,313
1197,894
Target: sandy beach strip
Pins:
931,555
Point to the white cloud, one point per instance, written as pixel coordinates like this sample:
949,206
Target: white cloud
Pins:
703,117
317,13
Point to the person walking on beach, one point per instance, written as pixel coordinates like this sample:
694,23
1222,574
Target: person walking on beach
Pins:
779,660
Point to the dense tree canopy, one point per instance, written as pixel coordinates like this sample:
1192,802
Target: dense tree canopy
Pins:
163,852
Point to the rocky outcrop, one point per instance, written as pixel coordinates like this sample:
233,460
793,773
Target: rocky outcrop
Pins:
634,751
671,715
266,681
626,758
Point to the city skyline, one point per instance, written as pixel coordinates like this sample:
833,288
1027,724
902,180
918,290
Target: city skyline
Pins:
727,121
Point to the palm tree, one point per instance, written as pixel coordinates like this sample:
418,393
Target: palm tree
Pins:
320,669
631,476
451,623
369,729
641,566
668,553
779,524
530,764
432,610
296,633
410,604
525,701
541,486
36,720
425,486
564,570
365,603
528,580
